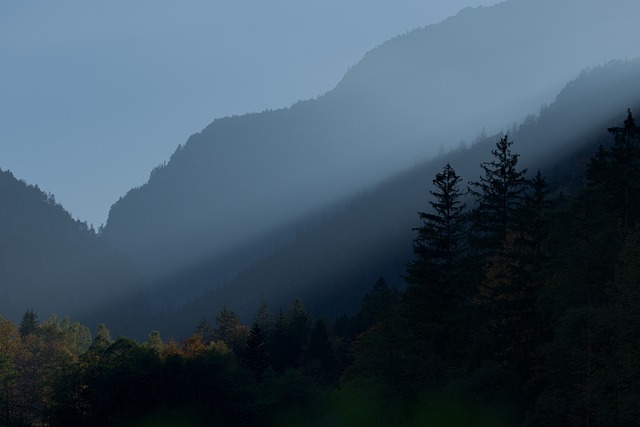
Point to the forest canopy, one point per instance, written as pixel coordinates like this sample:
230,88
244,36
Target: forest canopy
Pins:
521,306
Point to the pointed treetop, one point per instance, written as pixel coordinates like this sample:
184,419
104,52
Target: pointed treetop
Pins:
29,324
630,122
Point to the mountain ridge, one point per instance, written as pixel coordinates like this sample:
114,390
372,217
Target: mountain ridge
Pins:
334,264
52,263
244,175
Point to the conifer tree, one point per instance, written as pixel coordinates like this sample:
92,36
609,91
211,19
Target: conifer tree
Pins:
154,342
205,331
264,318
229,329
499,195
535,212
298,330
439,244
29,324
103,338
255,356
376,306
277,345
319,357
434,278
508,233
615,172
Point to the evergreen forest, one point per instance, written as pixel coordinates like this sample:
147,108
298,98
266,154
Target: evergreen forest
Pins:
520,306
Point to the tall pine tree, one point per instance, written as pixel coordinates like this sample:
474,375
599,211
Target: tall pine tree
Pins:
435,284
29,324
499,195
440,240
615,173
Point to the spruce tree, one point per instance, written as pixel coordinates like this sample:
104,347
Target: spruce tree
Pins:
298,330
29,324
255,356
499,195
440,239
229,329
434,275
615,172
435,282
277,345
319,358
507,230
264,318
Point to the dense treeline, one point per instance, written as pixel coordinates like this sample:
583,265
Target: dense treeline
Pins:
331,264
522,306
526,304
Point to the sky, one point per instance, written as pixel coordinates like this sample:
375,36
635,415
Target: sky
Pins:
93,95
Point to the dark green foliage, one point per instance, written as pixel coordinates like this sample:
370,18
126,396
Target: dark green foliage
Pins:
434,277
154,341
440,242
507,294
385,363
296,334
206,332
29,324
126,382
255,355
278,344
289,337
376,306
592,243
548,337
122,383
264,318
103,338
499,195
624,320
331,263
319,357
229,330
615,173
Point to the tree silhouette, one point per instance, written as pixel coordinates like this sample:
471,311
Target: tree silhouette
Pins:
499,195
440,240
255,356
29,324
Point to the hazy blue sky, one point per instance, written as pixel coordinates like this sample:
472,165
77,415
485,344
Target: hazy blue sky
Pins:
93,95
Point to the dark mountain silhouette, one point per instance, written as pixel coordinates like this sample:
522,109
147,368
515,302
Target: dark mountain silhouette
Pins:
244,184
50,262
334,264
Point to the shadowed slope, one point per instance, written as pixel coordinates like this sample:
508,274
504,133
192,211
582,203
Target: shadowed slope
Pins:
243,176
51,262
331,266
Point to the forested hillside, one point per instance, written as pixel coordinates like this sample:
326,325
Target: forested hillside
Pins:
521,308
243,185
331,266
51,262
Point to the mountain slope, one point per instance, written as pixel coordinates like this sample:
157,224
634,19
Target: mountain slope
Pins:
51,262
242,177
332,266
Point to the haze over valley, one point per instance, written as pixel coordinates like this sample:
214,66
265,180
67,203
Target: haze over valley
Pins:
242,177
248,185
448,227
